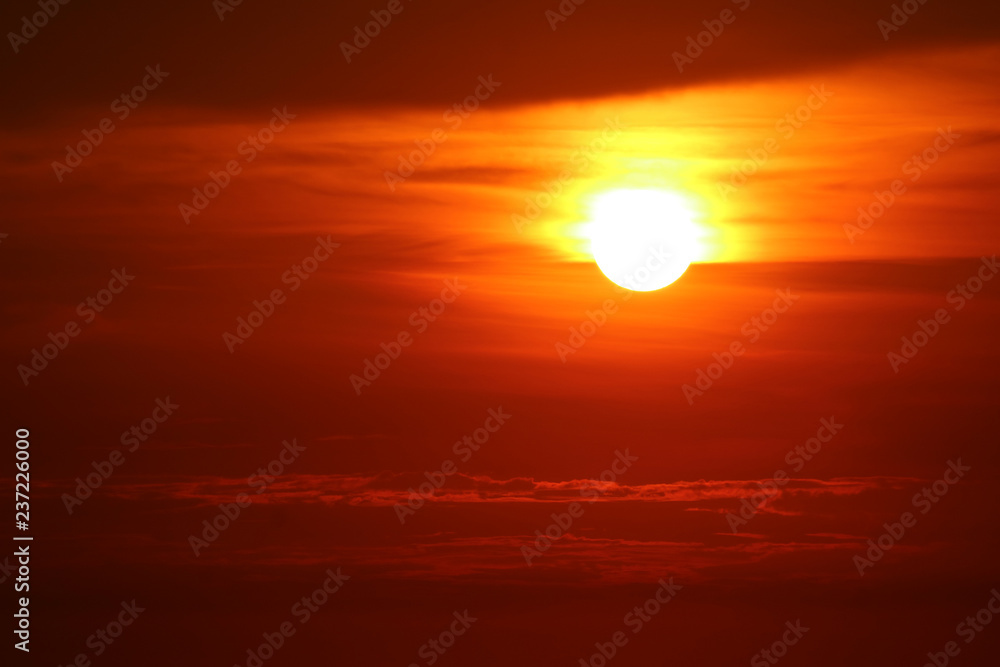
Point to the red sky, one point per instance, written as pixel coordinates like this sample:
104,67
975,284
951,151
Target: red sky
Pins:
595,105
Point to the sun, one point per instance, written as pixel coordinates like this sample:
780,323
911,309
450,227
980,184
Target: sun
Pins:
642,240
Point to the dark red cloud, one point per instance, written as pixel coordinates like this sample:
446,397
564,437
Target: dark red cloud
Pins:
432,52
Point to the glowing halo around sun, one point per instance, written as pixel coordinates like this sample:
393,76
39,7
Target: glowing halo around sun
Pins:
642,240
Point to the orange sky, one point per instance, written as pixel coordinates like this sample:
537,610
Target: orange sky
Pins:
593,106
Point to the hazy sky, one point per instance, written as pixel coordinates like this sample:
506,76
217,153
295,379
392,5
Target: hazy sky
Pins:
498,210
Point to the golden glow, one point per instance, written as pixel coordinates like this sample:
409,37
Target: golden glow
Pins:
523,178
642,240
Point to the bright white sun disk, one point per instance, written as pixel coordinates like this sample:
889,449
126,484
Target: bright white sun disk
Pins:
642,240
